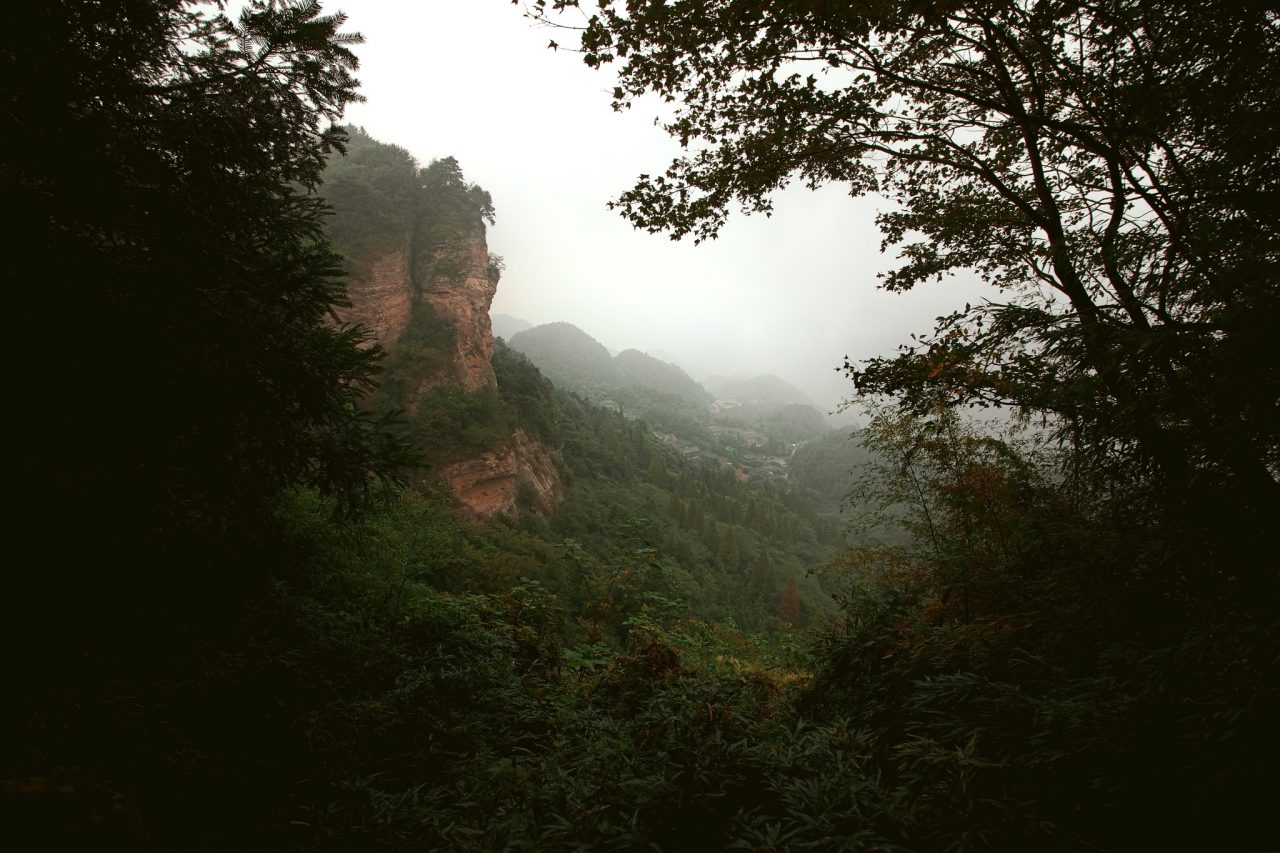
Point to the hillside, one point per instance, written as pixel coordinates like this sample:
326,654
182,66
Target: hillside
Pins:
322,566
632,367
506,441
661,394
569,357
764,406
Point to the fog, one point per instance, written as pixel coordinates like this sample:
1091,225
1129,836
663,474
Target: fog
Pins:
791,294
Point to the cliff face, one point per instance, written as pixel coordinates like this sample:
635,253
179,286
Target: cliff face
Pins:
381,295
521,477
460,291
427,303
518,476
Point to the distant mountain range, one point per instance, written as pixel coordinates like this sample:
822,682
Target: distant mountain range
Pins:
664,395
504,325
640,385
767,388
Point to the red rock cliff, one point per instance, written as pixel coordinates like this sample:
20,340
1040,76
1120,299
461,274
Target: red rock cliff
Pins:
517,477
521,477
381,296
463,297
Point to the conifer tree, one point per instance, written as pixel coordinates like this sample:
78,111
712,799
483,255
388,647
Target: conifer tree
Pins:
159,161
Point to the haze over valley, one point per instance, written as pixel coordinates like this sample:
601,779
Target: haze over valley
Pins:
790,294
430,446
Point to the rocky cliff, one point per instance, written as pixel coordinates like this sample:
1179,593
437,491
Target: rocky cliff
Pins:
427,303
521,477
459,289
381,295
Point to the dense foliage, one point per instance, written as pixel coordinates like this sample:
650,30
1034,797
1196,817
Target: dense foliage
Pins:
1107,166
1034,644
177,301
1077,634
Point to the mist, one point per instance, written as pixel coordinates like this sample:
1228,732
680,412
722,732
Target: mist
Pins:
792,293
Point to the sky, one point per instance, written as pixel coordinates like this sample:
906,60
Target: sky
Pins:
791,294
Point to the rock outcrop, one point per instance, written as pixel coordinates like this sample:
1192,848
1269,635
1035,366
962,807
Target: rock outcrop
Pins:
522,477
461,296
427,303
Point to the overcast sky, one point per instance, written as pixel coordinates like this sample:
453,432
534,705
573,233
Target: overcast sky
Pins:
792,294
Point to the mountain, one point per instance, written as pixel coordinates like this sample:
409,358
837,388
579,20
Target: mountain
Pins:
633,367
764,405
763,389
504,325
656,391
569,357
421,280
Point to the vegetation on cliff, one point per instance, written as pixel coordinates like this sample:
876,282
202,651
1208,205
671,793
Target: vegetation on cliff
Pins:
430,219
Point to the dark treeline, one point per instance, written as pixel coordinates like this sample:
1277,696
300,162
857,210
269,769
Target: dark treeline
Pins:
248,618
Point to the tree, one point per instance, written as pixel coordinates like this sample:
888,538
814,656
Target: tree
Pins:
789,603
1110,167
730,554
762,581
159,163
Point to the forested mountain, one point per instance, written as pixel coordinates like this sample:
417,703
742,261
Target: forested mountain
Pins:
321,566
660,393
635,368
569,356
506,441
746,411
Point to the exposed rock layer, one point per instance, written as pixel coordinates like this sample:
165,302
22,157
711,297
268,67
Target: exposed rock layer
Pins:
381,295
462,297
521,477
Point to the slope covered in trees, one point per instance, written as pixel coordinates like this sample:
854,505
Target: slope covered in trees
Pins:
1104,166
764,389
246,636
568,356
728,547
660,393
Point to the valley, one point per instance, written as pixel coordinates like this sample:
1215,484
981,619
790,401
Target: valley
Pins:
332,552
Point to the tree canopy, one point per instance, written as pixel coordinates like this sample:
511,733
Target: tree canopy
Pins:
1110,167
159,160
